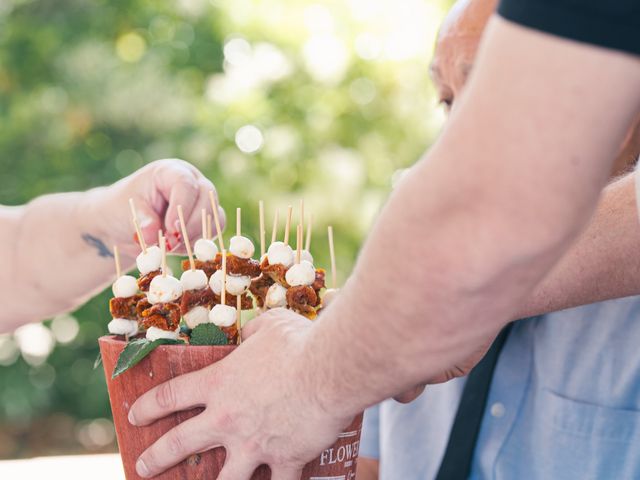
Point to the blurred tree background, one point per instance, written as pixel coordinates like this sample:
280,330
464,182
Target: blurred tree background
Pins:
272,99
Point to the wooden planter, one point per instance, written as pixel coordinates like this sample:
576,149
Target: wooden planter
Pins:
168,361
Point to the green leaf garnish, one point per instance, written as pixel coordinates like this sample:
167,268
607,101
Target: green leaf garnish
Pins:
208,334
98,360
136,350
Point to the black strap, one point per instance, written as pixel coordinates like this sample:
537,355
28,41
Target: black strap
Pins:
456,463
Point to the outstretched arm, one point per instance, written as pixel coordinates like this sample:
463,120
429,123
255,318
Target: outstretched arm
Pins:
56,251
483,218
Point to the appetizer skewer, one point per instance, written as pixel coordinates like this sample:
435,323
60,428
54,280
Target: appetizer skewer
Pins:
123,304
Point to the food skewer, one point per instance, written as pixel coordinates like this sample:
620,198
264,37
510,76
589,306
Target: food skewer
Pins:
216,218
332,292
307,245
162,318
123,304
298,243
203,215
274,231
239,317
185,236
262,229
222,315
196,297
287,226
136,225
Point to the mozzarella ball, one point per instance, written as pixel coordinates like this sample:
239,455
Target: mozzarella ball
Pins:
237,285
164,289
125,286
196,316
241,247
222,315
155,333
122,326
280,253
276,296
205,250
329,296
150,261
215,282
193,280
306,255
303,273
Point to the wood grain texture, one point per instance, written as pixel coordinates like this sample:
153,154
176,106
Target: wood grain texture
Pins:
168,361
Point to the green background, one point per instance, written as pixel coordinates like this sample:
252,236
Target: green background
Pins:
92,90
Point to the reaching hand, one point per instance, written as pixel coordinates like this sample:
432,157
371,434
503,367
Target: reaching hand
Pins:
157,189
260,404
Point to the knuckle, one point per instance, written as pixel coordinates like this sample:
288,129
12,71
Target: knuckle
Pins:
166,396
175,443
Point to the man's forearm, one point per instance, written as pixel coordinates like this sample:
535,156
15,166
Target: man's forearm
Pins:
602,264
480,221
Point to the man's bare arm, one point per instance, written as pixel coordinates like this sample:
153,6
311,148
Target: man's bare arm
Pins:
56,251
485,215
604,262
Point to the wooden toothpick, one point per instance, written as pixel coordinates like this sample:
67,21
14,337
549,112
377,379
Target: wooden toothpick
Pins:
274,231
262,229
332,254
307,245
298,243
209,229
239,317
163,250
287,225
223,293
116,256
203,215
238,221
302,215
185,236
216,218
136,225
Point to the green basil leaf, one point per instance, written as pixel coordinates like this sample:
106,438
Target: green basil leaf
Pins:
208,334
136,350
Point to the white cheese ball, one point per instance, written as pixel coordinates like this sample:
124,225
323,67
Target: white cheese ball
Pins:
215,282
278,252
306,255
303,273
205,250
125,286
236,285
329,296
164,289
150,261
196,316
193,280
241,247
122,326
222,315
276,296
155,333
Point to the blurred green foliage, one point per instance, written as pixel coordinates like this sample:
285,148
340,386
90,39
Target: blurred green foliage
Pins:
333,97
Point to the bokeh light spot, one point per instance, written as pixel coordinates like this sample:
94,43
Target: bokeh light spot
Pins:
130,47
249,139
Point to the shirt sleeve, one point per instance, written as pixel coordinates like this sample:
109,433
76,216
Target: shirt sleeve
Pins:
370,437
613,24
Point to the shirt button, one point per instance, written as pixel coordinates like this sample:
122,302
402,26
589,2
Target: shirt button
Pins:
497,410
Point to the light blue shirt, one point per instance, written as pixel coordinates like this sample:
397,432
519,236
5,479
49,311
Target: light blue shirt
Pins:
564,404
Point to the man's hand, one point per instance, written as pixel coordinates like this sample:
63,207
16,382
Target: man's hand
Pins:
157,189
260,404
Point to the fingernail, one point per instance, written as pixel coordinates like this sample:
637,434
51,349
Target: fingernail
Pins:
131,417
141,468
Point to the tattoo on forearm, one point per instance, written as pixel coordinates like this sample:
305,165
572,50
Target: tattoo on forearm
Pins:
98,244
